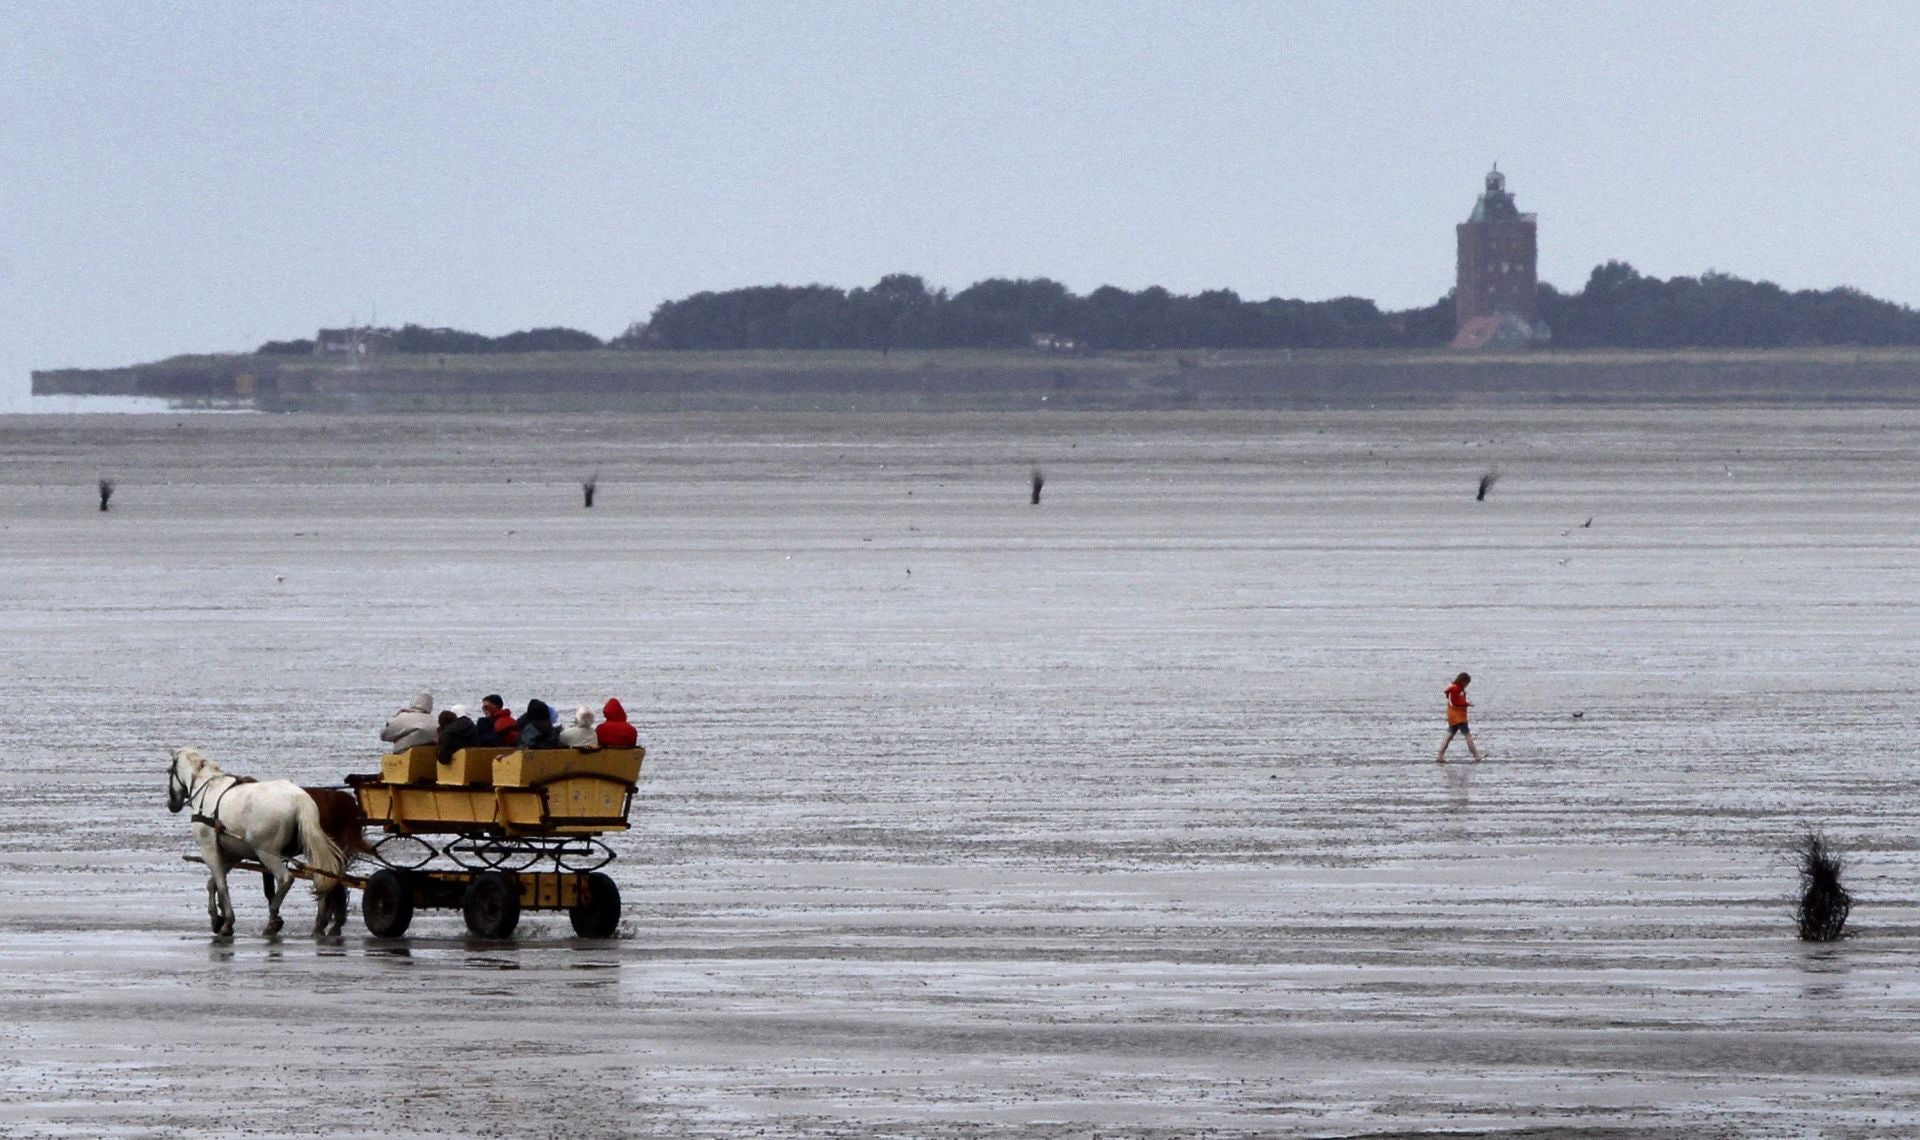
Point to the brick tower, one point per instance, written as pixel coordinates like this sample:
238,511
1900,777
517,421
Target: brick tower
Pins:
1496,268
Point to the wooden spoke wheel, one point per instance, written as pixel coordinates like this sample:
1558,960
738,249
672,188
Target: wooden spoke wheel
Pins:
387,904
493,904
598,914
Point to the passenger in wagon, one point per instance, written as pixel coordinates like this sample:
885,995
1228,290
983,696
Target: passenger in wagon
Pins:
614,731
536,727
496,727
457,731
580,733
413,725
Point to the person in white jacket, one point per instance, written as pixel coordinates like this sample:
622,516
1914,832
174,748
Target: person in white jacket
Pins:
580,733
413,725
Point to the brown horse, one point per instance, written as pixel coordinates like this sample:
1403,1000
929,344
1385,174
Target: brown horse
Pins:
340,818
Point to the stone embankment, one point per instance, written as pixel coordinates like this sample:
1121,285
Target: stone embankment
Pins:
966,380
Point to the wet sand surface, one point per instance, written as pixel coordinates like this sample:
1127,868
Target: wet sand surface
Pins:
1114,816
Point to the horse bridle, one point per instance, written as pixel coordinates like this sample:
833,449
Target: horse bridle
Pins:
189,791
176,785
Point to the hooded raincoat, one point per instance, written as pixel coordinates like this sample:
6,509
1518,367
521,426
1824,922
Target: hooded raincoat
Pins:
413,726
614,731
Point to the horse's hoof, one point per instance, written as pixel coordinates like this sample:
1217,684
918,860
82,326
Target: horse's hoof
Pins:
226,930
273,928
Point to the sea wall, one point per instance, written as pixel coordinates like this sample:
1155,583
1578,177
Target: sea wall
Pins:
1012,380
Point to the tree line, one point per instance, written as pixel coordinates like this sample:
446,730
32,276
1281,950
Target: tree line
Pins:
900,311
416,338
1618,308
1621,308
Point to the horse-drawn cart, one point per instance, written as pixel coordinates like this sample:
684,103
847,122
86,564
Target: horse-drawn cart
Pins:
493,832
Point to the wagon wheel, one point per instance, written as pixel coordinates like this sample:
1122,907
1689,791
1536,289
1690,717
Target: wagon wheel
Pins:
493,904
598,915
387,904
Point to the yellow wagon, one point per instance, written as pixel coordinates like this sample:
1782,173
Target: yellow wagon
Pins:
495,831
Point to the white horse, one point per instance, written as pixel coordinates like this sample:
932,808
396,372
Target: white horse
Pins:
236,817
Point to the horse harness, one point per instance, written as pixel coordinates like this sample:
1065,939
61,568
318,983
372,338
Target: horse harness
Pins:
211,816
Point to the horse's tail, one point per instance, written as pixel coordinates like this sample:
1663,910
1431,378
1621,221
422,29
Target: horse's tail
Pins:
323,855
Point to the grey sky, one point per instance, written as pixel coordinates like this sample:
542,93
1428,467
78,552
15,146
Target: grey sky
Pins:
203,177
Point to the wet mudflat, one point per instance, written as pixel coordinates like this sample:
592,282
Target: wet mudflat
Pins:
1112,816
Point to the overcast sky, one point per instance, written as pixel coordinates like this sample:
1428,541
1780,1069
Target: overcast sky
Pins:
204,177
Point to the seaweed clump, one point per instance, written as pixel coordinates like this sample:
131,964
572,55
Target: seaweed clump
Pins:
1824,903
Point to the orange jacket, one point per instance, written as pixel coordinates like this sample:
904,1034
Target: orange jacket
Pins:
1457,704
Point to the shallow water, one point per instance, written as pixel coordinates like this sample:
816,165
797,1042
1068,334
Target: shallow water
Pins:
962,817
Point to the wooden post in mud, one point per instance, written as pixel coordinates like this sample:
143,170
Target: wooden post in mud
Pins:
1038,479
1487,481
106,492
587,488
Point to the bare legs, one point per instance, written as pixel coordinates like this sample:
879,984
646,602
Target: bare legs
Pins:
1471,747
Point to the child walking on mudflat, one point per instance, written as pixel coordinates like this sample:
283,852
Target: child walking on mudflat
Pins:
1457,705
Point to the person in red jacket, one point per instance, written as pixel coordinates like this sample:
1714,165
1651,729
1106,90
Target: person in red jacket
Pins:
613,729
1457,705
495,726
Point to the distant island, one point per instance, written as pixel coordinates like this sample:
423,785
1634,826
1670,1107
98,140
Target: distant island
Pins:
1498,301
1033,343
1618,308
1500,334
